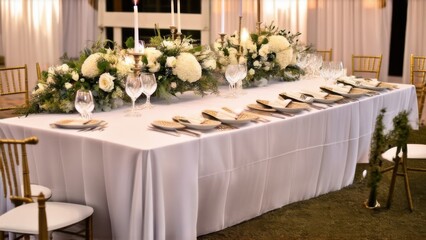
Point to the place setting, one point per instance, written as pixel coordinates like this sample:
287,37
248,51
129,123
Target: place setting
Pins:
84,105
301,97
366,83
287,106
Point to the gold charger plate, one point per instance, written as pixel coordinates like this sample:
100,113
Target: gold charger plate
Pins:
77,123
353,93
205,124
227,118
292,107
167,125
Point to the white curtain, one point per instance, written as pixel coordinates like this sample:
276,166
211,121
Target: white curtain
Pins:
43,30
351,27
285,14
33,33
80,26
415,35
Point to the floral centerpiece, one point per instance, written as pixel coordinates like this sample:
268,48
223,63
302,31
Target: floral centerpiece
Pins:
270,54
180,66
100,69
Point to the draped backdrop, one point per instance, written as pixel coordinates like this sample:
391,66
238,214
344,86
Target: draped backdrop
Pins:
43,30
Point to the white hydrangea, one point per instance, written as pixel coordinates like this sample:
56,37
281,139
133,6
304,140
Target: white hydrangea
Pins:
90,66
264,50
152,56
187,68
250,46
209,64
284,58
278,43
123,69
106,82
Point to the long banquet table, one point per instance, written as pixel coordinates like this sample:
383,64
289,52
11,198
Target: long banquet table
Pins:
149,185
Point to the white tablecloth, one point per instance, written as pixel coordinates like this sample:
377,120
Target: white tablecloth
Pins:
149,185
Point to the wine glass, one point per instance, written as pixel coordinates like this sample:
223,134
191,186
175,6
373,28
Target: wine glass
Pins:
232,75
134,90
149,85
84,103
243,74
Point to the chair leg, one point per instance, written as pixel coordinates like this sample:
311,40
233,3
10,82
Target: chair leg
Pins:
1,235
393,180
407,184
89,228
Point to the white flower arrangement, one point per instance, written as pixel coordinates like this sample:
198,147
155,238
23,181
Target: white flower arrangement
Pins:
99,69
269,54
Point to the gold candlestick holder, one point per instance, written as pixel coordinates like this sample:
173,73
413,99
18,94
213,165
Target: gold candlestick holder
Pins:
222,38
258,27
173,32
179,36
138,63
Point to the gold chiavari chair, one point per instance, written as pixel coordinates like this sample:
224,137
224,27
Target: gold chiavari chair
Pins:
43,234
401,154
38,69
366,66
327,55
418,79
23,219
13,87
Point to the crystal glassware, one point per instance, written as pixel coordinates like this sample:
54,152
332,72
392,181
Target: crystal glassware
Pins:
84,103
134,90
232,75
149,85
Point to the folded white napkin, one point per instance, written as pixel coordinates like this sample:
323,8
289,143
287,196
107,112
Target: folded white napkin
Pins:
315,94
299,96
342,88
371,82
280,103
195,120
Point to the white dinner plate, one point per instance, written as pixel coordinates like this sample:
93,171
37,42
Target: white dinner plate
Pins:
300,97
330,98
77,123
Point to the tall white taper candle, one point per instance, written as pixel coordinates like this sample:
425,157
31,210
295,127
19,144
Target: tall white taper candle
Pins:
136,25
178,13
222,19
172,6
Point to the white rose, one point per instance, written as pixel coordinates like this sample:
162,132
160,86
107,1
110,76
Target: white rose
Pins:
50,80
51,70
106,82
256,64
264,50
254,55
170,62
173,85
251,71
74,76
68,85
155,67
63,68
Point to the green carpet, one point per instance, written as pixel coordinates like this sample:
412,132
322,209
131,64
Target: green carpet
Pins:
342,215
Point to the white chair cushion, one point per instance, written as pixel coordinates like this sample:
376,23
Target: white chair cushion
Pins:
24,219
414,151
37,189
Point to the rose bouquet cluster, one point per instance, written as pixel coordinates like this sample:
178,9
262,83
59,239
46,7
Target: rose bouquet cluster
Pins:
99,69
269,55
180,66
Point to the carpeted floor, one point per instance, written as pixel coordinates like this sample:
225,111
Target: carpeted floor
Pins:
342,215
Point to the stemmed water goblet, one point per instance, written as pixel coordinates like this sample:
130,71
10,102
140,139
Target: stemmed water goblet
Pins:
84,103
134,90
149,85
232,75
243,74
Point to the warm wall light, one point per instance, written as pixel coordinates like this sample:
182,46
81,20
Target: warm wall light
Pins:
374,4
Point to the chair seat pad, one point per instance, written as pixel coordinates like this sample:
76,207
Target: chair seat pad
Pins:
37,189
414,151
24,219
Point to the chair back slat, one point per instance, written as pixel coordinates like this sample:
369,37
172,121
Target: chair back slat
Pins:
13,87
418,79
327,55
366,66
14,169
